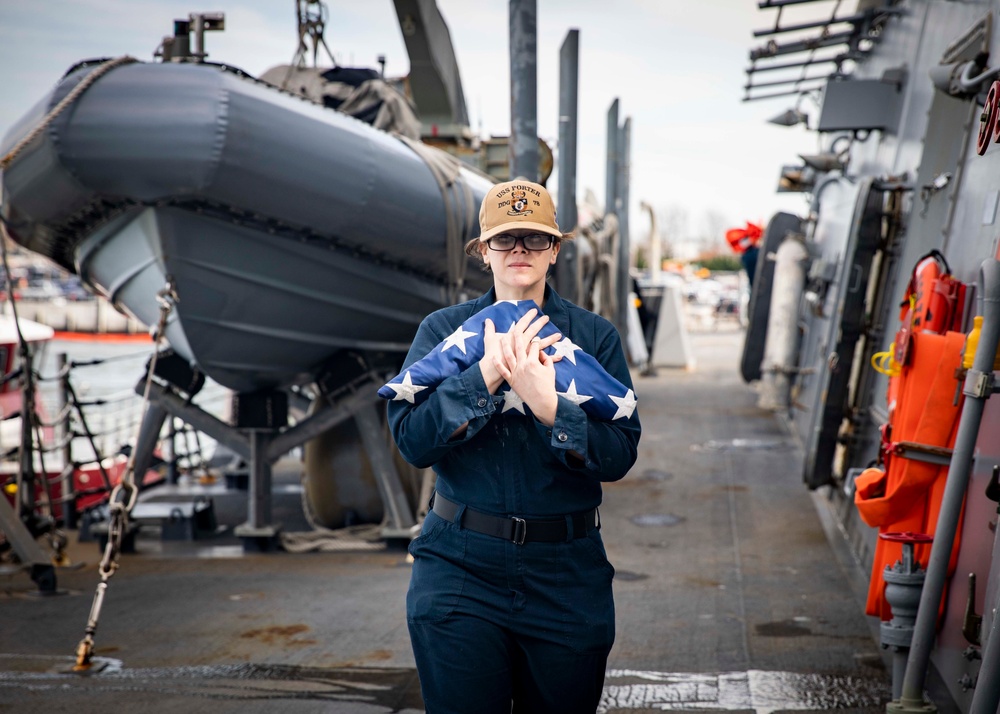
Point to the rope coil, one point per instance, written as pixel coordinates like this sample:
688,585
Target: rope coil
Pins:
459,212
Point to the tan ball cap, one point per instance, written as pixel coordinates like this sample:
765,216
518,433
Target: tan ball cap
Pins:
517,205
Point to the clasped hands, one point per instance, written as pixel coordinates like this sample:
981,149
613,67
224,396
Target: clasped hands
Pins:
518,358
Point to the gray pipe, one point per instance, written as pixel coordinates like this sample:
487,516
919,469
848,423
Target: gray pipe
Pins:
611,161
569,79
967,81
814,203
978,388
199,38
624,247
986,699
569,71
523,89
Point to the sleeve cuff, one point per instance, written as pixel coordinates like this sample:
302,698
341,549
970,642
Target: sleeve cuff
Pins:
479,404
569,431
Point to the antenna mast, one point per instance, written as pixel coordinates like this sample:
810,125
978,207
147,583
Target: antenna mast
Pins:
311,17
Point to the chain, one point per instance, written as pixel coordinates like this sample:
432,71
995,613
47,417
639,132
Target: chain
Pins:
123,496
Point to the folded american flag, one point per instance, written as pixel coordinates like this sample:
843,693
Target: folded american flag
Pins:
579,377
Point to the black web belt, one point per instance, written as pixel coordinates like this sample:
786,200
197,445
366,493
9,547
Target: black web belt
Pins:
519,530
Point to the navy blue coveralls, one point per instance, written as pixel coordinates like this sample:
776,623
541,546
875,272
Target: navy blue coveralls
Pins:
491,621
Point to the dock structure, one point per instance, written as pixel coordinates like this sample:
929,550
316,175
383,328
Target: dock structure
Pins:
731,592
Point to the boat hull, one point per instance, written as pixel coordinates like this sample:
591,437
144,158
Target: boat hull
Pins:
254,310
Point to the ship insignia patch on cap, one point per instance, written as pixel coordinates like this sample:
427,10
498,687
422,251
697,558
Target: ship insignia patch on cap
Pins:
519,203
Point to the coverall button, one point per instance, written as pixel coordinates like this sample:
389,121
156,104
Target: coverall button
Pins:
481,402
562,436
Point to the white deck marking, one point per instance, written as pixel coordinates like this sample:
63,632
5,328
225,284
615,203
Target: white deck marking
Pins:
763,692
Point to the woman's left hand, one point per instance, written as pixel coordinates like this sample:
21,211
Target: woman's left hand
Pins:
528,370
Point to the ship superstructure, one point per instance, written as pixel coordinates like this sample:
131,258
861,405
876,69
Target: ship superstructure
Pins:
894,259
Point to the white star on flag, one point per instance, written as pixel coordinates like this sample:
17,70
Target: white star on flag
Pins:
565,348
512,401
572,395
626,405
457,338
406,389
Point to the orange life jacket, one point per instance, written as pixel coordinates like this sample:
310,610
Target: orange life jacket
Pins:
905,493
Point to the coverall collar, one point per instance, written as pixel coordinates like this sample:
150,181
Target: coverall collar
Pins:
555,306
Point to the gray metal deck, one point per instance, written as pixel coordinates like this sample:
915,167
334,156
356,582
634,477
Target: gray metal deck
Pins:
730,596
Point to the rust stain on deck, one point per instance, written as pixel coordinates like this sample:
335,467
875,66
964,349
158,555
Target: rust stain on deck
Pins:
287,635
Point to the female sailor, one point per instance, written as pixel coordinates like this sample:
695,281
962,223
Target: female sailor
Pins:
510,600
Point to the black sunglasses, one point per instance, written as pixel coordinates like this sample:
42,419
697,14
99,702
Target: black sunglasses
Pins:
504,242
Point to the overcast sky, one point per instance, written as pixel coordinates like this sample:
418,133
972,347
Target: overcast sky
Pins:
677,69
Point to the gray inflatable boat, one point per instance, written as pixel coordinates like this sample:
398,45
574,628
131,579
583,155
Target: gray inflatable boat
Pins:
290,232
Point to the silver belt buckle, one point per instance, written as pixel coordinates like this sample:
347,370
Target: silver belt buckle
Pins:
520,530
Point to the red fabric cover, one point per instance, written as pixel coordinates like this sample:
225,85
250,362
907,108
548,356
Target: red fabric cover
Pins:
740,239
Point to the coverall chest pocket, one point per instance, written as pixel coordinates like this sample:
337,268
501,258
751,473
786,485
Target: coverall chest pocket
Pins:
438,576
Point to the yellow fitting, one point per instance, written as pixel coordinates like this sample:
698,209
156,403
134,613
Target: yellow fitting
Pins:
972,343
885,362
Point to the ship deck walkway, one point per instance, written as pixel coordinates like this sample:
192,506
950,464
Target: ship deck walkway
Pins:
731,594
